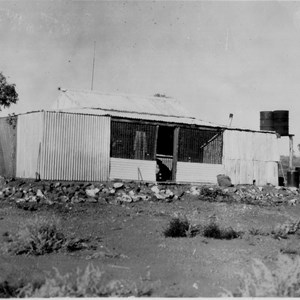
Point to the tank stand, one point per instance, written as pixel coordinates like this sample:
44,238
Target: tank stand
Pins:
291,152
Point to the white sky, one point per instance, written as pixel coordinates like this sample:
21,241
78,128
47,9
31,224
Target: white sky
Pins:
215,57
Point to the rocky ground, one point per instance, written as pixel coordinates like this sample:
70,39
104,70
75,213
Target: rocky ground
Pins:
119,227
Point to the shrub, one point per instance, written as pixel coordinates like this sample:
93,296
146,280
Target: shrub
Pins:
213,230
284,281
87,283
178,227
258,231
38,236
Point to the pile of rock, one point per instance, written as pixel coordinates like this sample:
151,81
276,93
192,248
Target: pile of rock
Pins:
62,192
250,194
46,192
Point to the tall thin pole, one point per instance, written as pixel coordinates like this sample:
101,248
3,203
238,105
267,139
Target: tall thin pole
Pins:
291,150
93,71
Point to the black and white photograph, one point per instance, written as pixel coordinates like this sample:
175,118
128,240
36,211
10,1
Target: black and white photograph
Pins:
149,148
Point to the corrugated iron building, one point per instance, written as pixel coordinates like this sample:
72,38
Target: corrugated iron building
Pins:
89,136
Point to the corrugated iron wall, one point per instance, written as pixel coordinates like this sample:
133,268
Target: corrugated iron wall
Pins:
8,145
75,147
121,168
249,156
29,140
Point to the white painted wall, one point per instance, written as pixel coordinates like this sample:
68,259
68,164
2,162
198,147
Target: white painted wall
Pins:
127,169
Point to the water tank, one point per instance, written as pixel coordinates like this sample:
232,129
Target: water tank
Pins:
266,120
281,122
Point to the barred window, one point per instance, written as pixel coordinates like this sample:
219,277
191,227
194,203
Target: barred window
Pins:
202,146
132,140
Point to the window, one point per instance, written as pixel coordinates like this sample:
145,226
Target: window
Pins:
199,145
132,140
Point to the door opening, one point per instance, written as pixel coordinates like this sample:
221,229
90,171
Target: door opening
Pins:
164,153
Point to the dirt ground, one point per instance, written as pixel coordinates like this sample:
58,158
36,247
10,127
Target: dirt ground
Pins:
130,244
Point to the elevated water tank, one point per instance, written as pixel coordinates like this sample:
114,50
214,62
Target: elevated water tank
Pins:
266,120
281,122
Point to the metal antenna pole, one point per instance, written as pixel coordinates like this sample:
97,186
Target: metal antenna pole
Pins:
93,71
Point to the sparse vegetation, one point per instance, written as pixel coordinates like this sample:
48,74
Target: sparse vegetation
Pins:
181,227
87,283
38,236
258,231
284,281
209,194
178,227
213,230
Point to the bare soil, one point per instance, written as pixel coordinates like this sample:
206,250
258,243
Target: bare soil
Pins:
130,244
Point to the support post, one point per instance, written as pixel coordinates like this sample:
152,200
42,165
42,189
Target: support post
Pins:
175,153
291,152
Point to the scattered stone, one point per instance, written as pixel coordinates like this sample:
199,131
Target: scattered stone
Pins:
105,191
224,180
194,191
155,189
169,193
32,199
159,197
292,201
64,199
57,184
40,194
131,193
125,198
118,185
20,200
92,200
92,192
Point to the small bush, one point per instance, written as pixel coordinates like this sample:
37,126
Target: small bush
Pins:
213,230
37,237
290,248
178,227
284,281
258,231
86,283
8,290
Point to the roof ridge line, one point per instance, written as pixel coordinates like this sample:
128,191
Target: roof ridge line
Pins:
118,94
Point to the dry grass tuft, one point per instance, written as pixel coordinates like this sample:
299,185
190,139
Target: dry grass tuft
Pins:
87,283
284,281
38,236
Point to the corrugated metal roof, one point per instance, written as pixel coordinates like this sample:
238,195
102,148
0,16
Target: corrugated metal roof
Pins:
158,118
138,116
120,102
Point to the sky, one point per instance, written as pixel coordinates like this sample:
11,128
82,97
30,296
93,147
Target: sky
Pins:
215,57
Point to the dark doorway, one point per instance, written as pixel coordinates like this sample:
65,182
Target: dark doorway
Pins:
165,140
164,153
